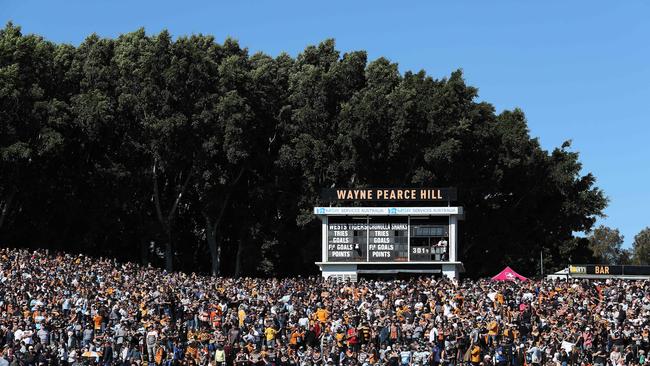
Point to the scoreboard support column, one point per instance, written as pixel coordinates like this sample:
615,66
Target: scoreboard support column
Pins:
408,236
368,238
324,222
453,224
450,271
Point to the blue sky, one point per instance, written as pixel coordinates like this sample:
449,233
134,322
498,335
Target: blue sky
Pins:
580,70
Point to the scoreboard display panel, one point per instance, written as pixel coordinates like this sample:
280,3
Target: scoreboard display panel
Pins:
429,239
347,239
386,239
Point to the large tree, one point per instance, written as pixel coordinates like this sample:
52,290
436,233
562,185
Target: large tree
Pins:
30,114
225,125
606,244
641,247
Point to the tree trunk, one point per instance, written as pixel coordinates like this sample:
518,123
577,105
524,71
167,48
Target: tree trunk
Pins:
213,247
211,229
143,238
215,253
169,253
144,251
166,221
6,204
238,258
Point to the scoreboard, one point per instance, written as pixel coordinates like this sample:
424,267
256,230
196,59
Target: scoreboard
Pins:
385,239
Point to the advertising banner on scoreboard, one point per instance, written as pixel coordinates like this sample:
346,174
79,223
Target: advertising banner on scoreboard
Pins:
389,211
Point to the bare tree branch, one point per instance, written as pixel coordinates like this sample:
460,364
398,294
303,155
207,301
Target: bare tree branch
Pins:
172,211
227,199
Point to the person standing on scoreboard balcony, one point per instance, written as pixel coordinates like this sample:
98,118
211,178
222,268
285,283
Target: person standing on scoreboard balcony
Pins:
442,243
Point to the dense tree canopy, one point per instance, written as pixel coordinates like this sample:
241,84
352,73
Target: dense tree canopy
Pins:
191,154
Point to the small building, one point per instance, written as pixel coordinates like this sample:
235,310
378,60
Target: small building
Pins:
605,271
390,241
602,271
562,274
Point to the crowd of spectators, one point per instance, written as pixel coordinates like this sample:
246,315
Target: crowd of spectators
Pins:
75,310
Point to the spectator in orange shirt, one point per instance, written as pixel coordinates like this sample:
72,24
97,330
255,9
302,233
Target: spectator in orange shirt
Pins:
322,315
493,332
296,337
475,357
97,321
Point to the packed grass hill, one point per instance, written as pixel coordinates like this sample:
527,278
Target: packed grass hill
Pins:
74,310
